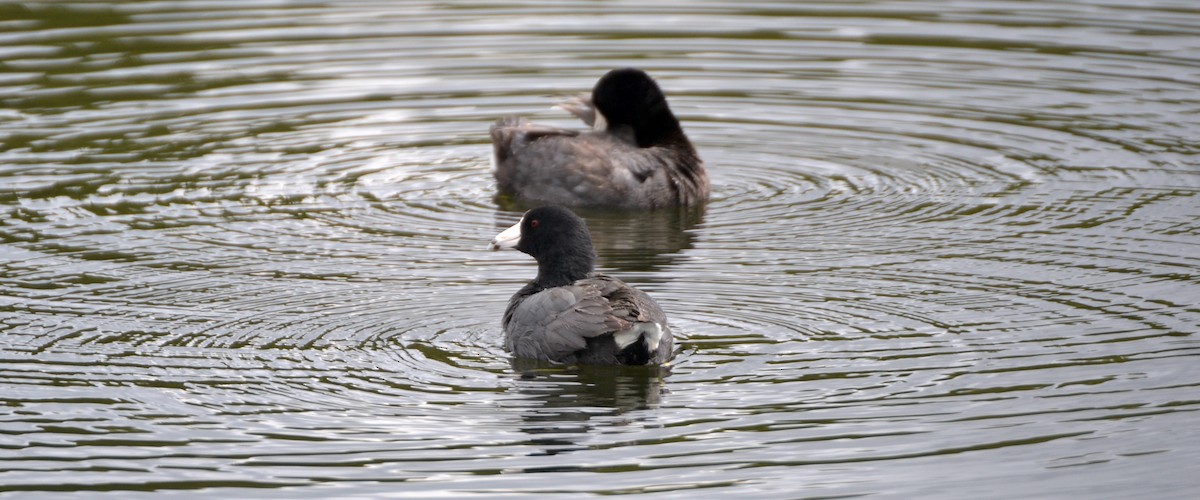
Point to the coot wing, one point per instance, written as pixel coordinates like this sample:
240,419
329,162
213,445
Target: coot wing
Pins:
555,323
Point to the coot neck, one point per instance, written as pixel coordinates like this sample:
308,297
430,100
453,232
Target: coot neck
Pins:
660,129
564,267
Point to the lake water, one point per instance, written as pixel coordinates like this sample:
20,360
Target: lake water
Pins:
951,251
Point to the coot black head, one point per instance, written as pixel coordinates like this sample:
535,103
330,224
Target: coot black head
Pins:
557,238
628,97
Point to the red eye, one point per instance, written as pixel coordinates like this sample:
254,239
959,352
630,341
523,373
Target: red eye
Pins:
534,223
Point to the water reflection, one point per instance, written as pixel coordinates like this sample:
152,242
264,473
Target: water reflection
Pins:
570,404
630,242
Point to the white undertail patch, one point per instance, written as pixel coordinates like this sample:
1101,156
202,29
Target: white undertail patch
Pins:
651,331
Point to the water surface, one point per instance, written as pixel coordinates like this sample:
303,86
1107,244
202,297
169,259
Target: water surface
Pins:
951,251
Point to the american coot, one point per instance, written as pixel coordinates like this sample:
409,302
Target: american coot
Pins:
637,156
568,314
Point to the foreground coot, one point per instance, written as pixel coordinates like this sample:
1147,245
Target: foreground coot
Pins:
570,315
636,156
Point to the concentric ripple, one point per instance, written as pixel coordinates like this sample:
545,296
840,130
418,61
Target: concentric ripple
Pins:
950,251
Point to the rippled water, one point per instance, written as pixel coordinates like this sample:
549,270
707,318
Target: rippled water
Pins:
951,251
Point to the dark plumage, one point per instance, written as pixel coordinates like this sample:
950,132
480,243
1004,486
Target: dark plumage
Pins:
637,156
568,314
